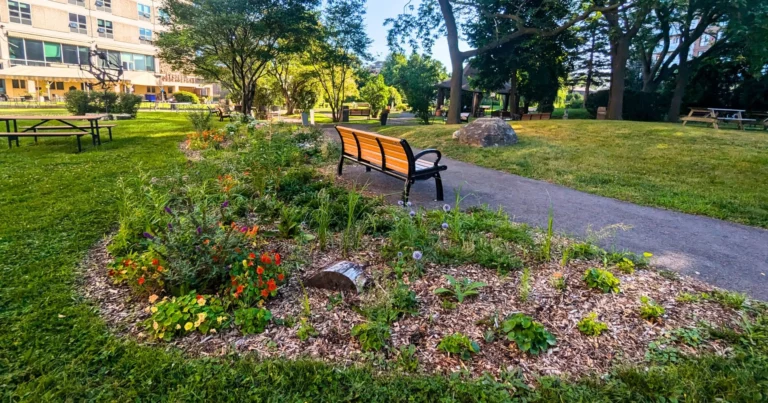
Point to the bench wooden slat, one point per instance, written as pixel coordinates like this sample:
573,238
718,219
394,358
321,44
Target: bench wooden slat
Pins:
46,134
64,127
698,119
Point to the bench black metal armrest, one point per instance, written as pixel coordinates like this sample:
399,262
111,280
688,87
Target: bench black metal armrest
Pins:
429,151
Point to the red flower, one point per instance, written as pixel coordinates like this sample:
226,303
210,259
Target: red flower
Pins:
281,277
240,288
141,280
261,283
277,259
198,296
266,259
260,270
264,293
251,255
250,264
271,285
160,268
111,273
155,262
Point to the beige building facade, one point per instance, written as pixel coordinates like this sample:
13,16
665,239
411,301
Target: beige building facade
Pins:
45,47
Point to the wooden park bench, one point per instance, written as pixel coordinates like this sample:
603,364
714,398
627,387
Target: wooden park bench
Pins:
464,117
16,135
222,113
98,135
701,115
390,156
360,112
536,116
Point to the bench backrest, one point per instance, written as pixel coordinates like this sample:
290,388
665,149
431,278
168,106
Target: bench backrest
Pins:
359,112
389,153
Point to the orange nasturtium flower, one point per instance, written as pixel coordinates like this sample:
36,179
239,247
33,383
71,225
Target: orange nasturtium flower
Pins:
141,280
264,293
260,270
277,259
266,259
155,262
271,285
281,277
251,255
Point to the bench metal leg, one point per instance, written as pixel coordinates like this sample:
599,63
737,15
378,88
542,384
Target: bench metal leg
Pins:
439,187
407,190
341,165
109,129
79,146
10,142
367,169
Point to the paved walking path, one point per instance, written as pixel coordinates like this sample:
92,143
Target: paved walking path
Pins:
725,254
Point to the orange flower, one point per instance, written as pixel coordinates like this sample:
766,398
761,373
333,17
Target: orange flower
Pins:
260,270
264,293
277,259
141,280
251,255
252,232
155,262
198,296
207,241
271,285
250,264
240,288
266,259
281,277
160,268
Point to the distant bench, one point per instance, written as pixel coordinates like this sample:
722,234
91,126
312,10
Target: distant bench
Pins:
536,116
15,136
391,156
360,112
700,115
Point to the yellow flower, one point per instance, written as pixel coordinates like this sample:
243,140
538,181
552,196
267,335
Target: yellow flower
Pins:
188,326
213,330
220,319
153,298
178,326
245,263
153,309
155,325
201,301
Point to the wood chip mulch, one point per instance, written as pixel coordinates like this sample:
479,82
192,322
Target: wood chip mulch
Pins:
575,354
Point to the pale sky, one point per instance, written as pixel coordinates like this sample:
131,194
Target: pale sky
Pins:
380,10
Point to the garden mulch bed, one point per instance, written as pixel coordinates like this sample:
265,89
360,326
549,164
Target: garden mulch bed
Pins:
575,354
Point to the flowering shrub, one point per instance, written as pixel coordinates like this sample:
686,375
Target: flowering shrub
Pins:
178,316
143,273
254,281
205,139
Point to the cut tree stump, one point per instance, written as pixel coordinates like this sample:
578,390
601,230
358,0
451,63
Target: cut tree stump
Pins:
340,276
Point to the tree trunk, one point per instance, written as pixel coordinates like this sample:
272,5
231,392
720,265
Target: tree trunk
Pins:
249,93
619,56
590,69
681,81
513,98
457,61
289,107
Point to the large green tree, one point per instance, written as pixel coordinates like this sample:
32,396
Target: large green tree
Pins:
338,50
417,79
232,41
293,78
376,93
453,19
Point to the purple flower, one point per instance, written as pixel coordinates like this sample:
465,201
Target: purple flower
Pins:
399,254
225,204
446,208
418,255
170,227
445,225
148,235
400,203
168,210
409,204
199,231
412,214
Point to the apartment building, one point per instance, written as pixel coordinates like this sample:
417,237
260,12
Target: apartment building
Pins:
44,45
701,45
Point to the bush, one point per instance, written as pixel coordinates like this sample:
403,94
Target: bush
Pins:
460,345
529,335
373,336
128,104
186,96
638,105
601,279
590,326
252,320
81,102
78,102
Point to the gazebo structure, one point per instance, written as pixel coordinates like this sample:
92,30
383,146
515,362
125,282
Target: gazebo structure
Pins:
444,88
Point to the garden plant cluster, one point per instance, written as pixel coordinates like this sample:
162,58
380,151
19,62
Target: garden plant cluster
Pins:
224,247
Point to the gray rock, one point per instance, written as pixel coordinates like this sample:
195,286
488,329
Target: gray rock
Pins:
486,132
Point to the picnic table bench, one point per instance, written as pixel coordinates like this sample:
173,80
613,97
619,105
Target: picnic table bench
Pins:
35,129
536,116
360,112
714,115
391,156
93,128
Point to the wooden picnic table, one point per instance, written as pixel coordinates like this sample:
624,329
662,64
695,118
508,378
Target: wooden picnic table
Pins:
11,121
714,115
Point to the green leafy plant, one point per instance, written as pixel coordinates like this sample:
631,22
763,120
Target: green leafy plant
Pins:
602,280
185,314
686,297
690,336
306,330
333,301
590,326
529,335
524,288
252,320
322,218
729,299
546,249
373,336
558,281
460,289
460,345
626,266
200,120
407,360
660,352
289,226
650,310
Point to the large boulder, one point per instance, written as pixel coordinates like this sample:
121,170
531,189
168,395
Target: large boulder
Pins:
486,132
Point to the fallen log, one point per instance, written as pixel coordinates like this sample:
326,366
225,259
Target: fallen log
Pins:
340,276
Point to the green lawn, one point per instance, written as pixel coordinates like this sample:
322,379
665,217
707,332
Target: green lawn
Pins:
721,174
56,203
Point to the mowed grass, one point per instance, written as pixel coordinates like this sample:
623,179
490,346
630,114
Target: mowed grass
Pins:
717,173
55,204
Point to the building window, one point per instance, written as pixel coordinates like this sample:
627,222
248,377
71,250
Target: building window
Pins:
57,85
145,12
105,29
19,84
130,61
78,24
145,35
151,90
36,53
20,13
104,5
52,52
77,2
